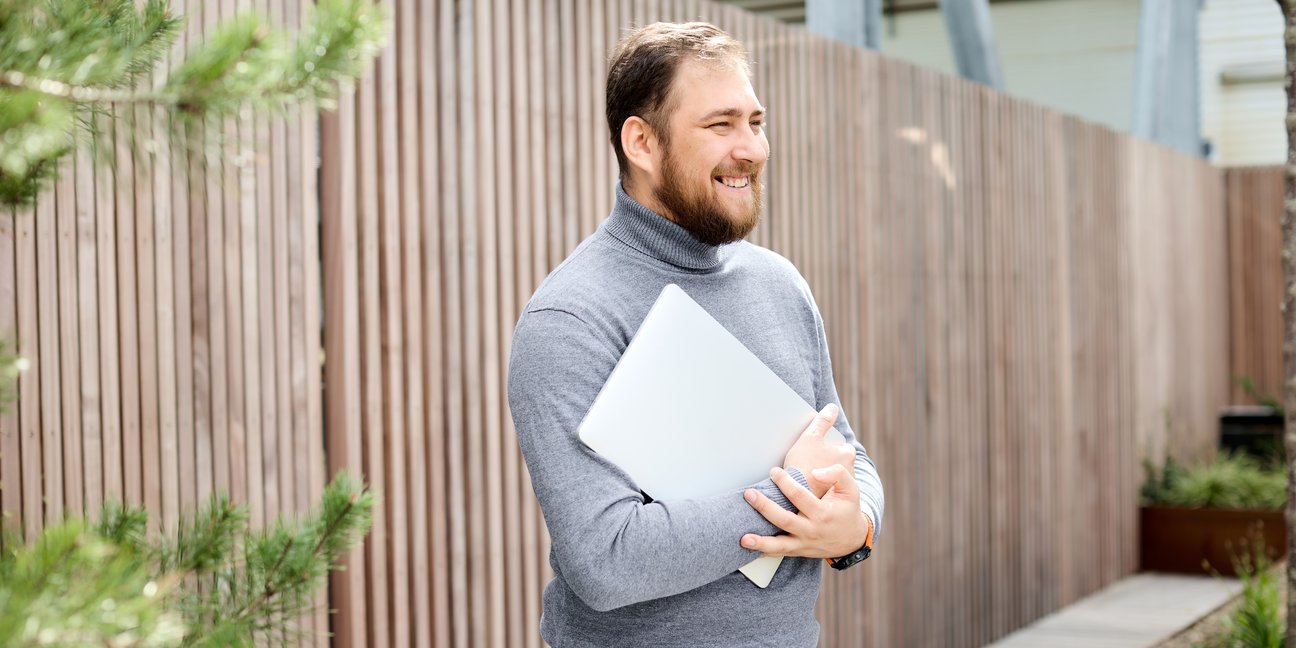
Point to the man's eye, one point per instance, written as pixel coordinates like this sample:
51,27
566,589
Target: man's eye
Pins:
758,125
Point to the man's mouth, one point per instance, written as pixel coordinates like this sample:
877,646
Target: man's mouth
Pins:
734,182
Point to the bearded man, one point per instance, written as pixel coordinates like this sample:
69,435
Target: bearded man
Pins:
689,135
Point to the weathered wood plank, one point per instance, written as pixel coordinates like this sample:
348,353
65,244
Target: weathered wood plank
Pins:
11,438
132,300
48,356
338,208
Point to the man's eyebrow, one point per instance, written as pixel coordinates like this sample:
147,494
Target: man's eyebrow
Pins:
731,112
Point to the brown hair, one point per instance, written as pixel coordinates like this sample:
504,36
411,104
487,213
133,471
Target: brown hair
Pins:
642,71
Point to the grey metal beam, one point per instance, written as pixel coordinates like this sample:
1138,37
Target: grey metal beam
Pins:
1167,105
972,40
855,22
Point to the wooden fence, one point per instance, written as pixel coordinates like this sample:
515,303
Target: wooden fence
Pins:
1254,212
1020,305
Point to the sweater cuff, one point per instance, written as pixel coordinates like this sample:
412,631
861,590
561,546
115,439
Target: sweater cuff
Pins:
777,496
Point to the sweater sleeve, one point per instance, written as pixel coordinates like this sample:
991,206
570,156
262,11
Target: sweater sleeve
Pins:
611,547
872,499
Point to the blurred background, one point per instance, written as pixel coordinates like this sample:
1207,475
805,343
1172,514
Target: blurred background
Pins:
1044,235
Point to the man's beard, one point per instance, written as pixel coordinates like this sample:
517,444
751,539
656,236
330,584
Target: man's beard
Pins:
701,213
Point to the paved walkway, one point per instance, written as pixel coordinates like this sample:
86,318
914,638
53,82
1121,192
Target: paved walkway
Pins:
1137,612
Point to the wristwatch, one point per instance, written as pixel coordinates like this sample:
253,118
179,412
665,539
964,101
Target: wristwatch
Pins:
857,556
852,558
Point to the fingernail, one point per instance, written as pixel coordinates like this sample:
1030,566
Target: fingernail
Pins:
820,472
748,542
750,496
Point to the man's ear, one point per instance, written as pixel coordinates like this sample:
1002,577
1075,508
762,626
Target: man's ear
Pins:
639,143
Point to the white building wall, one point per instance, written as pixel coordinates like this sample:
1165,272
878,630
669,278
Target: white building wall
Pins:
1243,120
1073,55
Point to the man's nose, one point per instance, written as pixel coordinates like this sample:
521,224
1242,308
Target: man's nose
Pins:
752,147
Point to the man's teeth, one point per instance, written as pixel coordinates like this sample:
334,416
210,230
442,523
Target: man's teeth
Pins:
736,183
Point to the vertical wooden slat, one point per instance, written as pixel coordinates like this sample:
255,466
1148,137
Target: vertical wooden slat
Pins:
211,447
69,342
310,388
262,326
538,146
510,213
230,259
457,161
172,450
431,138
91,437
155,336
412,314
130,300
12,459
372,410
222,416
282,305
499,235
105,278
341,300
27,345
481,282
48,357
390,384
19,329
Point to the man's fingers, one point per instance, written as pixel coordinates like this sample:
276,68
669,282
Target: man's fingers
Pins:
836,475
823,420
772,545
777,515
800,497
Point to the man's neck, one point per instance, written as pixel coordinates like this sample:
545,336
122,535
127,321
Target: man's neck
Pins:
638,189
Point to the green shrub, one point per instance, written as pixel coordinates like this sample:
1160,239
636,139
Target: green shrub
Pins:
1232,481
1256,622
213,583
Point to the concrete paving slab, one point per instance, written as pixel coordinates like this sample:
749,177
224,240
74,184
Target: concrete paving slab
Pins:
1137,612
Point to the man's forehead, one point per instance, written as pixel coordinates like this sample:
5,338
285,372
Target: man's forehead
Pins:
714,89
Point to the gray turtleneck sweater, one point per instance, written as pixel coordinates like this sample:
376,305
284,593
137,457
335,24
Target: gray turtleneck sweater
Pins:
663,573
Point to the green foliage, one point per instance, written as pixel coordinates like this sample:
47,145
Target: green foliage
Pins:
71,587
1256,623
214,584
62,61
1232,481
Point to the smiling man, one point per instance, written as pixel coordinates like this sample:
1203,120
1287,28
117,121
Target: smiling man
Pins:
689,135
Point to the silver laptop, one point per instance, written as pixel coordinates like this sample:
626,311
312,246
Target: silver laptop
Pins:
690,412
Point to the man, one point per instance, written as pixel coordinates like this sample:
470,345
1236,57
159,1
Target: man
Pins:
689,136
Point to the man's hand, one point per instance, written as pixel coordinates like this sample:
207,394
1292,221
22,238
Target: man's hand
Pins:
809,452
828,527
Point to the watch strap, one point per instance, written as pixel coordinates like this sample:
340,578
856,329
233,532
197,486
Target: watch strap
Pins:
859,555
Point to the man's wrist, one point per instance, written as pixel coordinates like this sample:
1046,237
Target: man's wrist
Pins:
860,552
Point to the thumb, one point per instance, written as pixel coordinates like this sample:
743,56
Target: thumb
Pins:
824,420
836,475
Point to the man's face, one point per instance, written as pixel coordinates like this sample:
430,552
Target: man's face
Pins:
710,180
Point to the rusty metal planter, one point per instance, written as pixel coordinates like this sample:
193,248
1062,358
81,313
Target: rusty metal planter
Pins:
1182,540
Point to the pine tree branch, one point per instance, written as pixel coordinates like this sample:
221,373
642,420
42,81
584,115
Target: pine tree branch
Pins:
334,526
15,80
63,59
43,579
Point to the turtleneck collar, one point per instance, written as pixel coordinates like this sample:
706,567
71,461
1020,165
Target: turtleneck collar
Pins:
656,236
